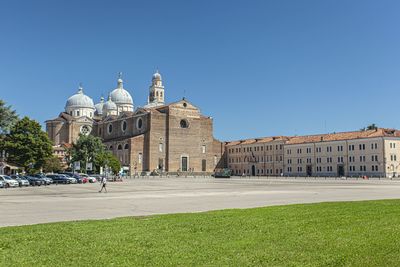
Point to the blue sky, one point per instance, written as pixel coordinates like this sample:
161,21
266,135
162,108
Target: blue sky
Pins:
259,68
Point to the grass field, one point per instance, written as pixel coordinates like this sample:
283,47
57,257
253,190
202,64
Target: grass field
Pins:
327,234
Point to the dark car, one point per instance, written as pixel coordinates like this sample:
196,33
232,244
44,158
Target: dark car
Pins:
79,179
222,173
33,180
58,179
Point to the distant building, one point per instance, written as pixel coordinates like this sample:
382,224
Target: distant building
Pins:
359,153
262,156
371,153
159,137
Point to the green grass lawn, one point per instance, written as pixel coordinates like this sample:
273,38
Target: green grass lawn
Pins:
327,234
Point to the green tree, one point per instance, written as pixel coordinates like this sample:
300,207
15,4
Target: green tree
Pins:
372,127
8,117
87,149
52,164
27,145
106,158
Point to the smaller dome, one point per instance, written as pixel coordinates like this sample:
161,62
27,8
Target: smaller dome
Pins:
109,106
99,106
79,100
157,76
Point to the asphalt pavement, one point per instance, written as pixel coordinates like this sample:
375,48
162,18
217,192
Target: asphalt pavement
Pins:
148,196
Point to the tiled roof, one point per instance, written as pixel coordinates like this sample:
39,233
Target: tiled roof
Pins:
380,132
257,140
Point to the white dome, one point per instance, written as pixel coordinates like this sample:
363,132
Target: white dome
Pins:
109,106
99,106
157,76
120,96
79,100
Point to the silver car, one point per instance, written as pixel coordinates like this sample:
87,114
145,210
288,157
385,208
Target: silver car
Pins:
8,182
1,184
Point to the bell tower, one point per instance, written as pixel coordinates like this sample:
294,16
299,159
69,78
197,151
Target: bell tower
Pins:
156,90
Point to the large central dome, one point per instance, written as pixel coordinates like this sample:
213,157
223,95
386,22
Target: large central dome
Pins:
120,96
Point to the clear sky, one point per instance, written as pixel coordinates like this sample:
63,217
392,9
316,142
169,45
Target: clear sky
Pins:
259,68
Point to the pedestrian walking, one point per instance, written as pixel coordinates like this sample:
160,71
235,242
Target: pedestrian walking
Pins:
103,184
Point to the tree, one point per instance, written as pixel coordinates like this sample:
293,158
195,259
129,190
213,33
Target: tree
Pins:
372,127
8,117
87,149
106,158
52,164
113,163
27,145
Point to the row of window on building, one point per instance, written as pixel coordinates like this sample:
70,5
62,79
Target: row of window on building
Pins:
340,159
257,171
119,147
363,168
255,149
339,148
258,159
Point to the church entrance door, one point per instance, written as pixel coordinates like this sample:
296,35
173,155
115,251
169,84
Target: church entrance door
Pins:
253,170
184,164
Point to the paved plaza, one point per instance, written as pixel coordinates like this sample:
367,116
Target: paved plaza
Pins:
147,196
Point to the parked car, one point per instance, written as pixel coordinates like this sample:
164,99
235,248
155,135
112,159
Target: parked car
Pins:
71,180
1,184
21,180
88,178
34,180
98,177
8,181
222,173
77,177
44,178
59,179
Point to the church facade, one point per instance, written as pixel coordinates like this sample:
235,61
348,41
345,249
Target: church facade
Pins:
160,137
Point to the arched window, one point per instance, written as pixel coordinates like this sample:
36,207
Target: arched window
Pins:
111,148
160,94
126,146
157,93
184,124
119,147
124,126
139,123
110,128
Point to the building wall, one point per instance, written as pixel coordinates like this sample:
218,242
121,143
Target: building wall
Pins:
335,158
391,151
188,142
157,139
266,157
116,123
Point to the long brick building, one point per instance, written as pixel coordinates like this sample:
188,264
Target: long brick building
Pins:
372,153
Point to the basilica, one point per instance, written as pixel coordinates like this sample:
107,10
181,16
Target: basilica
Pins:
157,137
